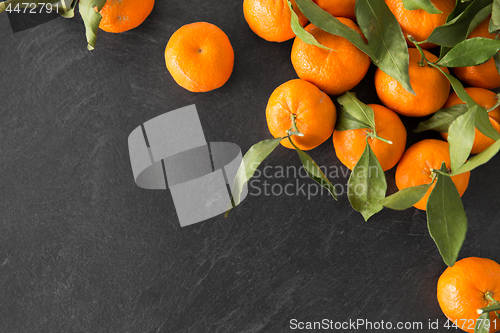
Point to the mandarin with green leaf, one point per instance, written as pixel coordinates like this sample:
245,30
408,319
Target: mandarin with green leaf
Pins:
334,72
417,166
487,99
350,144
431,87
467,286
418,23
484,75
270,19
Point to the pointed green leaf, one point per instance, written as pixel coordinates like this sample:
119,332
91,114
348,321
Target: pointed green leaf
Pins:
314,172
480,17
426,5
385,38
460,90
347,122
483,323
67,8
470,52
357,109
479,159
495,17
443,50
367,184
90,12
455,30
496,57
406,197
483,124
250,162
446,218
442,119
302,33
461,138
328,23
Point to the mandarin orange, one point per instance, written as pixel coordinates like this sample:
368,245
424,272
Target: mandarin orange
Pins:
270,19
432,88
485,75
417,165
312,110
471,284
418,23
199,56
349,145
334,72
487,99
123,15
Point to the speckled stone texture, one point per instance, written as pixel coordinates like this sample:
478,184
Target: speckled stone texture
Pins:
83,249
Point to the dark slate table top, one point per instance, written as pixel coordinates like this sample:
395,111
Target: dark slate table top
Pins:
83,249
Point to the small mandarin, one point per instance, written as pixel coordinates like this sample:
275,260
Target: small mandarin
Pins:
471,284
270,19
415,167
487,99
199,56
334,72
349,145
313,111
485,75
430,85
418,23
123,15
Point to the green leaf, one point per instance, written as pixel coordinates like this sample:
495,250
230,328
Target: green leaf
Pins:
365,189
250,162
446,218
496,57
406,197
385,38
495,17
470,52
302,33
328,23
426,5
483,124
480,17
443,50
347,122
90,12
479,159
483,324
460,90
492,307
314,172
442,119
461,138
361,112
65,10
455,30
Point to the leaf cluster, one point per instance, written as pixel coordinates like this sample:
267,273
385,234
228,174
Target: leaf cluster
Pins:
387,47
386,44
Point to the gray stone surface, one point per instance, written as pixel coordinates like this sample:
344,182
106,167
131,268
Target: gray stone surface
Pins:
84,249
